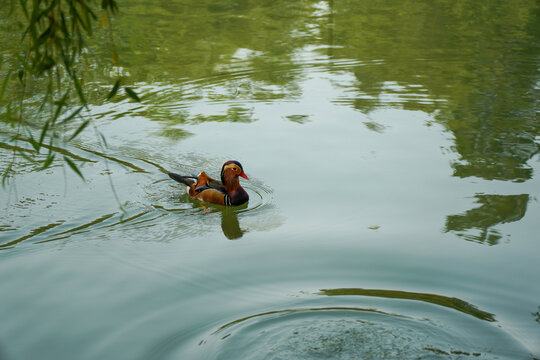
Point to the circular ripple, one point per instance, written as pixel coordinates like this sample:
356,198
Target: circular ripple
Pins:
260,196
347,333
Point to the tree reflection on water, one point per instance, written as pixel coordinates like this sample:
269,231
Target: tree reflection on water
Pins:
475,68
493,210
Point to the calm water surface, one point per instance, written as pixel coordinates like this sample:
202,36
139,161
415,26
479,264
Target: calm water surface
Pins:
393,152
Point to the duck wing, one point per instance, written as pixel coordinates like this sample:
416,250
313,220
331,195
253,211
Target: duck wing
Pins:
205,182
218,185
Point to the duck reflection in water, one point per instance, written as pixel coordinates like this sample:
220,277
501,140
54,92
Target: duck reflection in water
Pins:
229,218
230,224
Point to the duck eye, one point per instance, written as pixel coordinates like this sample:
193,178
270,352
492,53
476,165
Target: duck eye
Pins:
235,168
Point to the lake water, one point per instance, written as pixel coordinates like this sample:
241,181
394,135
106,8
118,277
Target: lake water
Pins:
393,155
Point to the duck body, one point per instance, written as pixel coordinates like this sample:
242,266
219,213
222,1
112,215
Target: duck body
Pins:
227,192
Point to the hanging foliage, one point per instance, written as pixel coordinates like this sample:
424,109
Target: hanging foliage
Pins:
53,45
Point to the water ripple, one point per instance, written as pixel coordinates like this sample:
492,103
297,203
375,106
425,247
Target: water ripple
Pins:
341,331
335,332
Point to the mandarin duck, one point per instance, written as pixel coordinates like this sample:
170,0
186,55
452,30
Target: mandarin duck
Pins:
228,191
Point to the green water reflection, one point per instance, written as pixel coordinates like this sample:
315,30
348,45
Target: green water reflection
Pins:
32,233
493,210
445,301
474,67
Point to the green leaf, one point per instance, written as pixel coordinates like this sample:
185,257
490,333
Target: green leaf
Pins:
46,63
23,6
114,89
6,173
4,84
103,139
73,167
79,88
45,35
109,5
48,161
20,75
77,19
33,142
132,94
78,131
60,103
43,133
63,26
63,100
72,115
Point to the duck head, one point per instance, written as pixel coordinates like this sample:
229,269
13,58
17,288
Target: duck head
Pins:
231,170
